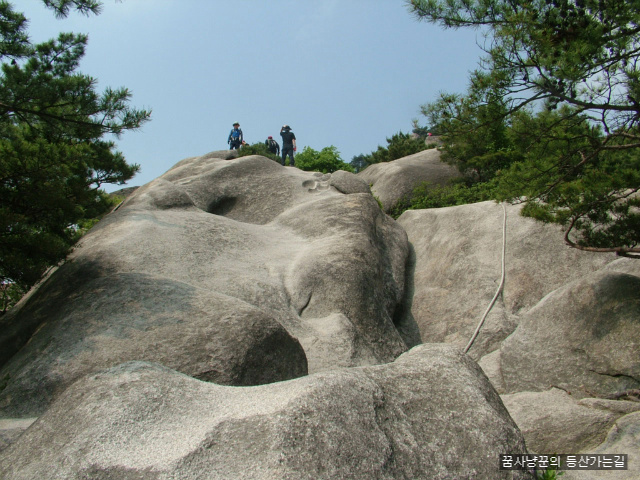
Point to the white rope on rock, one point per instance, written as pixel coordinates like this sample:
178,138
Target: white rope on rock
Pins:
502,277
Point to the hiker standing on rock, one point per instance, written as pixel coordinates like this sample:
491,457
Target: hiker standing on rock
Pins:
288,144
272,145
235,137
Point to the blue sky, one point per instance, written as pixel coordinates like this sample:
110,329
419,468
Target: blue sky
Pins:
346,73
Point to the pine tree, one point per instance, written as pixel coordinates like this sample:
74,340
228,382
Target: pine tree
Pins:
53,152
563,78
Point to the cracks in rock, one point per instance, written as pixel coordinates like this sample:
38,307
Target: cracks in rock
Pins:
409,279
304,307
630,394
615,375
565,390
402,315
379,409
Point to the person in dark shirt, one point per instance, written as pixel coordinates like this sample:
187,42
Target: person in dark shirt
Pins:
288,144
272,145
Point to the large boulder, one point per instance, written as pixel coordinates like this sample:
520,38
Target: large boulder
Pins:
624,437
458,253
430,414
566,318
232,270
583,338
396,180
556,422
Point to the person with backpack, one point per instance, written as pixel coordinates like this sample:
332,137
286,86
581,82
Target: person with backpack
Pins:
272,145
288,144
235,137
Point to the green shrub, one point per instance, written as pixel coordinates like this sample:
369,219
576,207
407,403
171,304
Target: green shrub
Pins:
327,160
549,474
377,199
257,149
398,146
437,196
358,163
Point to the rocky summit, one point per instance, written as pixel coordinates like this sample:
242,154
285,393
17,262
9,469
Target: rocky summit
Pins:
239,319
236,271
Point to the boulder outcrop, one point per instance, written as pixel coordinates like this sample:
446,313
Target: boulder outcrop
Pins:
458,254
624,437
430,414
554,421
393,181
561,343
233,270
590,330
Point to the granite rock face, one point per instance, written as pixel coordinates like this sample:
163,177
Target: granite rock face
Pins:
430,414
590,330
554,421
562,341
458,253
396,180
232,270
623,437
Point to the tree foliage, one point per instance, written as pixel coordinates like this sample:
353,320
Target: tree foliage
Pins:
257,149
398,146
479,140
53,152
359,163
553,111
327,160
462,192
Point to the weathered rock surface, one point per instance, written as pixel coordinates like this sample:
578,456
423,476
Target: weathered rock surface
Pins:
555,422
233,270
458,254
565,318
624,437
430,414
241,272
584,338
490,365
392,181
11,429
